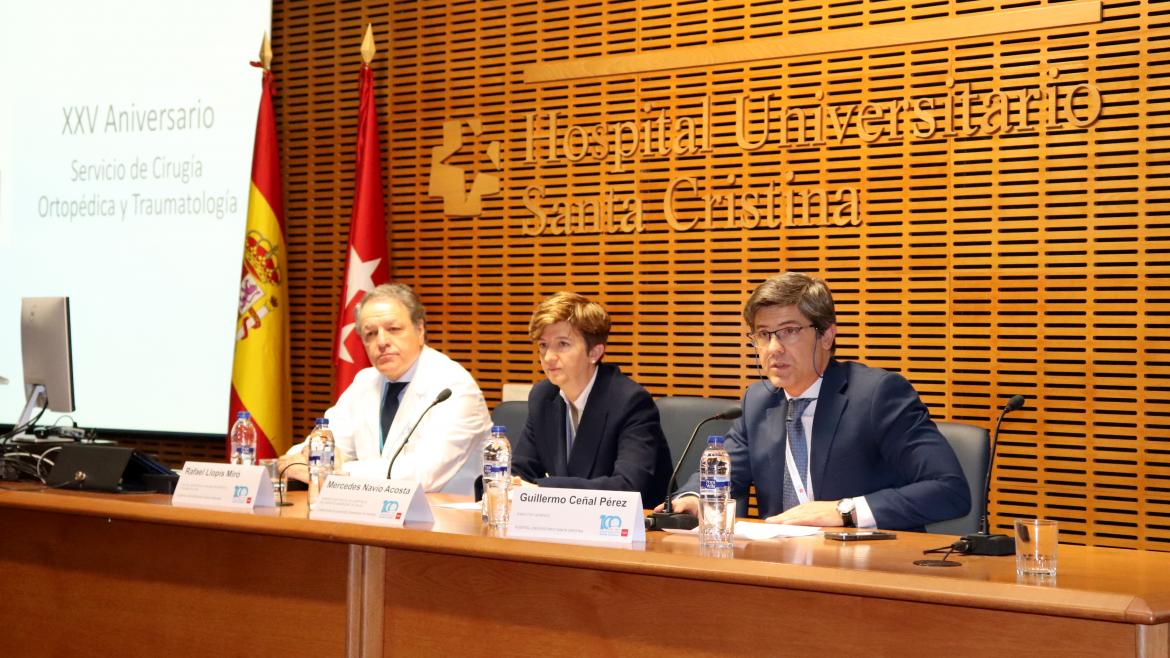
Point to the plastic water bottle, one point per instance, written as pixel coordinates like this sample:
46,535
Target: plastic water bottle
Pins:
243,436
718,510
320,457
497,476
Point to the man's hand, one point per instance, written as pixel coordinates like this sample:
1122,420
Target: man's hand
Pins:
299,462
821,513
688,504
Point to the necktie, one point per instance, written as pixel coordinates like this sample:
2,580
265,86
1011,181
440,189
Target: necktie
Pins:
575,419
390,407
799,447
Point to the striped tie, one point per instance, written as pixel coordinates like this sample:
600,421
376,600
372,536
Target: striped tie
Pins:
799,447
575,419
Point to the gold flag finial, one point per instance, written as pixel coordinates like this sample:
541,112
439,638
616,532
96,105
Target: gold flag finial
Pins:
265,53
368,48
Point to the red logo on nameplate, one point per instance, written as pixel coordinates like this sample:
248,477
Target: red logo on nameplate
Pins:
248,500
625,532
398,516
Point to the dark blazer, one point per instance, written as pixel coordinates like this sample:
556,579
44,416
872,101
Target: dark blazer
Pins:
872,437
619,444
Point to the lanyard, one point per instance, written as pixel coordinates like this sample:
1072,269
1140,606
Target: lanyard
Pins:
797,480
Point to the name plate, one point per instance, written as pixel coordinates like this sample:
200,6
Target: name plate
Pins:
371,501
204,484
577,514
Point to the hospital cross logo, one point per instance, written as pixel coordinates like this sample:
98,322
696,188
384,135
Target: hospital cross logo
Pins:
448,181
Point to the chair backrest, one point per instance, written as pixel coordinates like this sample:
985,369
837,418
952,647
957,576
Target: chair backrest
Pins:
512,415
516,392
971,444
679,415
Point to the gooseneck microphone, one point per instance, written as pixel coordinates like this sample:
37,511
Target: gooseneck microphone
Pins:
982,542
668,518
282,482
443,395
1016,402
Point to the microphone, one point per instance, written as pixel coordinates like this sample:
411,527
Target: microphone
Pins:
982,542
443,395
668,518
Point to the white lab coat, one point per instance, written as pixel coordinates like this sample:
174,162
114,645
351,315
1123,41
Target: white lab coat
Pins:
447,437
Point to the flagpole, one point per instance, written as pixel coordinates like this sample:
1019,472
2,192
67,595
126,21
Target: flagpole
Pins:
260,369
366,255
266,53
368,50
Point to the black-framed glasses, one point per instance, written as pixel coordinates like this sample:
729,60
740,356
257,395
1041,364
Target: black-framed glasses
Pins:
786,335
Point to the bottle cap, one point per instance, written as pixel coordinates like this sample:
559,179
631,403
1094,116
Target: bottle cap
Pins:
323,422
715,440
243,414
499,429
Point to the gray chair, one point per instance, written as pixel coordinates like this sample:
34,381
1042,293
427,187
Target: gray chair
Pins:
468,480
971,445
512,415
679,415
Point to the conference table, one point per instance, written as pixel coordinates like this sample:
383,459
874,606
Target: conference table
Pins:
131,575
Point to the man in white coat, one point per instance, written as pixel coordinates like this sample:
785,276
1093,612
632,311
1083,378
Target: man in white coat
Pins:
374,415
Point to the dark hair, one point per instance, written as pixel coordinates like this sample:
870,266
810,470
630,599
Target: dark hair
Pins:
808,294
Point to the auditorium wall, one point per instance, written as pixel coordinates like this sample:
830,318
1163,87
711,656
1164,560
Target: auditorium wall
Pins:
983,184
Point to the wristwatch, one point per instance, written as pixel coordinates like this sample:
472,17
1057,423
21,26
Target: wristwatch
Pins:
845,508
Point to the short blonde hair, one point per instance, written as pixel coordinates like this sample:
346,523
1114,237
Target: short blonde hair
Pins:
396,291
590,318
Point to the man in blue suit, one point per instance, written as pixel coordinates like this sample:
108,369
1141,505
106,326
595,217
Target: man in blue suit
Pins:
589,426
829,443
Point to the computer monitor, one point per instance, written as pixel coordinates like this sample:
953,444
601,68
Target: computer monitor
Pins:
47,356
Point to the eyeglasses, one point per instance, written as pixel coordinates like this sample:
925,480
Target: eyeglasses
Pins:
786,335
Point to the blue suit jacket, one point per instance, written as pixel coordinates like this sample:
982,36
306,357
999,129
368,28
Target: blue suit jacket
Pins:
872,437
619,444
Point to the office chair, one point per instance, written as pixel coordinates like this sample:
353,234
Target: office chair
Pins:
971,445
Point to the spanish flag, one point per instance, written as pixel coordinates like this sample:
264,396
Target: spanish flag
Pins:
260,367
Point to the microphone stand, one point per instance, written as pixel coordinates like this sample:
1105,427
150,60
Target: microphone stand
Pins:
282,483
668,518
982,542
945,561
443,395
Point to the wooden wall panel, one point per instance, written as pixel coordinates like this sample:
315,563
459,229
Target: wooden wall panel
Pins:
1029,259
